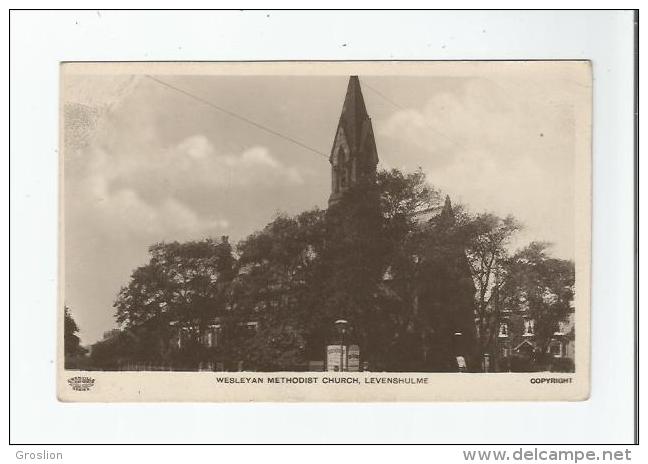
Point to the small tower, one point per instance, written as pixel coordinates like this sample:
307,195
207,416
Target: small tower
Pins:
447,216
446,300
353,157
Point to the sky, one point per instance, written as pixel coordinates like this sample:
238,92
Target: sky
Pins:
144,163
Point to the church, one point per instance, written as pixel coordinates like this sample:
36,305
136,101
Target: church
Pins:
443,295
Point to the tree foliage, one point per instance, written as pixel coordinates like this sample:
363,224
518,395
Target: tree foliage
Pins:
486,239
278,266
542,287
71,343
183,288
407,274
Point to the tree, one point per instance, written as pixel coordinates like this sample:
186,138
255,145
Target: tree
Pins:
71,342
402,197
182,289
440,281
541,286
291,280
120,349
486,238
416,290
274,291
304,272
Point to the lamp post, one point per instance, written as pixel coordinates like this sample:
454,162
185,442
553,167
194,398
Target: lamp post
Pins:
341,325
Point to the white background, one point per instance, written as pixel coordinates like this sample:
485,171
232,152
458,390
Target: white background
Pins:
40,40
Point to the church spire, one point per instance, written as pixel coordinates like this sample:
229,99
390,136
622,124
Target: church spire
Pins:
447,215
353,157
354,111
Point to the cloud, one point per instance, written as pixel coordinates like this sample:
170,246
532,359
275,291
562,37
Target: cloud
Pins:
496,147
196,147
178,192
129,183
479,115
97,210
196,156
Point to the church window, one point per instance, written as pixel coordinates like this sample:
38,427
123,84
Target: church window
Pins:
529,327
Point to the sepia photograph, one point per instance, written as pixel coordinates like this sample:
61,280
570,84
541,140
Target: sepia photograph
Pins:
325,231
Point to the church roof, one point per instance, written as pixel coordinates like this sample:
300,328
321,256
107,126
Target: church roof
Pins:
354,113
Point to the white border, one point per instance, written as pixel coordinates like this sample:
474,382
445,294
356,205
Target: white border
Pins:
41,39
200,386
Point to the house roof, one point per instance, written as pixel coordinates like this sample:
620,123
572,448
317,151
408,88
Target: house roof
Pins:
517,348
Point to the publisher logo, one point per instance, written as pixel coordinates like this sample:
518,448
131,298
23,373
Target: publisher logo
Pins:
81,383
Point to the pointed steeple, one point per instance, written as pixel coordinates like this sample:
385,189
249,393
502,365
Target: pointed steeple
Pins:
447,206
447,215
354,112
354,156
